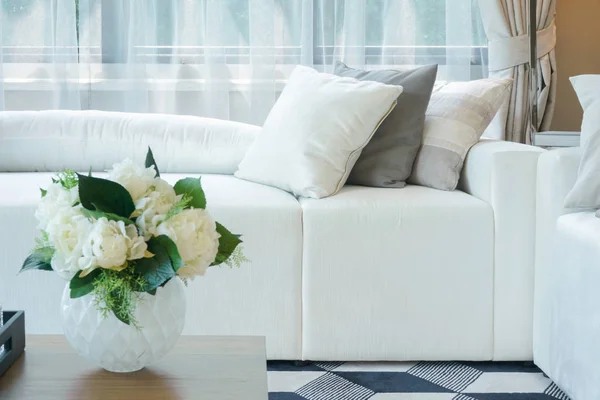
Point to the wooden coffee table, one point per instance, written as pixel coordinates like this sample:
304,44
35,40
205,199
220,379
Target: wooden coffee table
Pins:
200,367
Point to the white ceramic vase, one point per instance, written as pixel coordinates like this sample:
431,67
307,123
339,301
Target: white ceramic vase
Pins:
118,347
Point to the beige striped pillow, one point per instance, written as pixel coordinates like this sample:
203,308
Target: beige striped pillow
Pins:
457,116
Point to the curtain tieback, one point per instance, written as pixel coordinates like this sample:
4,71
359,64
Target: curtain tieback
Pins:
510,52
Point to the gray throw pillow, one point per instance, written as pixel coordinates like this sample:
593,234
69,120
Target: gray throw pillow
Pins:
388,159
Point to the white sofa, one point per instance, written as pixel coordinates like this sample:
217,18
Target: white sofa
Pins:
368,274
567,289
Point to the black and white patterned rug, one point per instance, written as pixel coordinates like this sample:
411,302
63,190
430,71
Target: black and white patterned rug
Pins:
409,381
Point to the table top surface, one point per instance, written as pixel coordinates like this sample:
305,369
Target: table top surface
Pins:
200,367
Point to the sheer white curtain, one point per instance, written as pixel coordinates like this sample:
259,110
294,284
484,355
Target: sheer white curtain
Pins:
1,66
38,43
218,58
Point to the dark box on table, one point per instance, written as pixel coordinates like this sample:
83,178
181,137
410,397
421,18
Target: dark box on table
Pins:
12,336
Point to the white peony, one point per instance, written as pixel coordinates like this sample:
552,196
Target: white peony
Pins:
153,207
109,244
56,199
67,231
135,178
137,245
195,234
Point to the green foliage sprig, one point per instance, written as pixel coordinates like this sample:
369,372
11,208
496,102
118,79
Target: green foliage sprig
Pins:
119,293
237,258
178,207
67,179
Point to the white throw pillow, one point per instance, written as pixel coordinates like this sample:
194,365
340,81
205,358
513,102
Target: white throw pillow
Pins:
586,192
457,116
316,131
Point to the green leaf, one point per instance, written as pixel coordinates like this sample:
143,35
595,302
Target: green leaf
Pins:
38,260
152,292
109,216
227,244
172,251
124,318
44,192
80,286
104,195
81,291
151,163
193,188
155,270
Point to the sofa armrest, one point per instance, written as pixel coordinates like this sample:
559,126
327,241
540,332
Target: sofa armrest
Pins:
557,173
503,174
556,176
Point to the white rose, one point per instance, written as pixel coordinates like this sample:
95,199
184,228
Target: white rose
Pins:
56,199
67,231
195,234
109,244
153,207
135,178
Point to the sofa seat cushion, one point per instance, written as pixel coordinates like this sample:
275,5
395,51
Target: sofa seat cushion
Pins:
261,298
570,352
397,274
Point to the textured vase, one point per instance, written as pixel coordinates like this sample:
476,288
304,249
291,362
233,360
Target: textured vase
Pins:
118,347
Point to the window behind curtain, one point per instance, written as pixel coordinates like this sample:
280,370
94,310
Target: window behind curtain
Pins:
226,59
310,32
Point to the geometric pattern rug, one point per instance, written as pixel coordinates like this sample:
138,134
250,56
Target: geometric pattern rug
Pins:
290,380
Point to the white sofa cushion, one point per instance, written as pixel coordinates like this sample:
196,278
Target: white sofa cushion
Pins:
569,300
398,274
587,88
586,192
55,140
316,131
261,298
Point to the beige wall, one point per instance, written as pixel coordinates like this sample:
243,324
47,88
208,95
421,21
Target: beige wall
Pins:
578,52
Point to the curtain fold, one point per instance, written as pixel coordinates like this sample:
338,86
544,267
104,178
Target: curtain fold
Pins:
39,44
1,63
226,59
506,23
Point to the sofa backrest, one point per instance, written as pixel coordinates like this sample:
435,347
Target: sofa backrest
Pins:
55,140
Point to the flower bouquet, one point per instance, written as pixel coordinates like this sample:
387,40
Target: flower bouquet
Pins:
126,245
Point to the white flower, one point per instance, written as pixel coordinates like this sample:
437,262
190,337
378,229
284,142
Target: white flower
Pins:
135,178
109,244
153,207
59,266
67,231
195,234
56,199
137,245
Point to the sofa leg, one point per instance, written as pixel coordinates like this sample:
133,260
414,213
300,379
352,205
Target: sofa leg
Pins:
299,363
